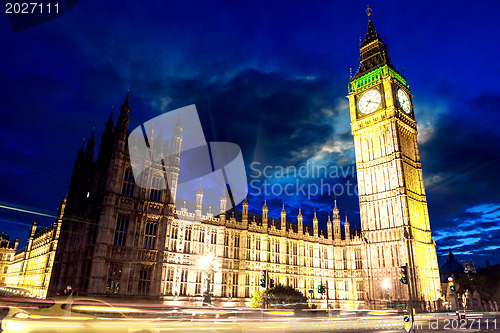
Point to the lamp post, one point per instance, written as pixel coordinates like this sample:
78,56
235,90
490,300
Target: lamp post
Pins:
207,263
387,286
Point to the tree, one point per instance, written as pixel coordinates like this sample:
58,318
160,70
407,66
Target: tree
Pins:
257,299
286,296
472,282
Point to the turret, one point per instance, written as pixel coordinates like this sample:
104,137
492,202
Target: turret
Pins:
244,217
336,222
329,227
89,152
158,146
33,229
264,215
151,137
106,142
315,225
122,123
31,237
223,204
347,231
62,206
81,153
199,203
283,216
177,138
300,229
174,158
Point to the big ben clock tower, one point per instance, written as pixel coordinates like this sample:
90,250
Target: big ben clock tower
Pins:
392,201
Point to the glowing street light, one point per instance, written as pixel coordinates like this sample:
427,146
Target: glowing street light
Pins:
205,261
387,286
208,264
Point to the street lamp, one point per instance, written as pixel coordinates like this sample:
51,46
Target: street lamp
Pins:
387,286
207,263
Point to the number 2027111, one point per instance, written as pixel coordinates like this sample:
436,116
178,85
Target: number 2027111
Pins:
31,8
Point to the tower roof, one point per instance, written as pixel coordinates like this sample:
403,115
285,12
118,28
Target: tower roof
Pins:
110,123
126,105
178,123
91,142
371,33
373,51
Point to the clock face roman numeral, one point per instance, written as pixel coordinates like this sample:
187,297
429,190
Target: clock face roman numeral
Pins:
369,101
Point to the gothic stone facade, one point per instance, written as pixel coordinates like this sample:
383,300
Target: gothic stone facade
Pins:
121,240
31,268
7,252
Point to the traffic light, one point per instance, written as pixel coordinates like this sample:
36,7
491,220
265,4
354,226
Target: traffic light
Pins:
403,274
321,289
263,278
451,283
271,283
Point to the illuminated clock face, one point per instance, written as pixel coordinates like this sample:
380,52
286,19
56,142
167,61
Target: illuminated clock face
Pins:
404,101
369,101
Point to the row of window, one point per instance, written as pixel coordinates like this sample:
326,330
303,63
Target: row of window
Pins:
121,229
115,278
151,230
155,193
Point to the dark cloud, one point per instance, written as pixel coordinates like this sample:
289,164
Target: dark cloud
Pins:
463,156
269,76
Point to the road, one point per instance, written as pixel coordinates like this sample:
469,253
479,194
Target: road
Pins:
241,320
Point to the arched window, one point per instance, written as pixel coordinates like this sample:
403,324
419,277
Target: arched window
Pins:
157,184
128,183
144,279
150,234
121,230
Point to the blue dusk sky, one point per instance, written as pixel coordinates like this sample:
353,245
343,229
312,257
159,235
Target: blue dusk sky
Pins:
270,76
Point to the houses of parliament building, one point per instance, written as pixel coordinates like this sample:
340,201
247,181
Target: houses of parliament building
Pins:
112,238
